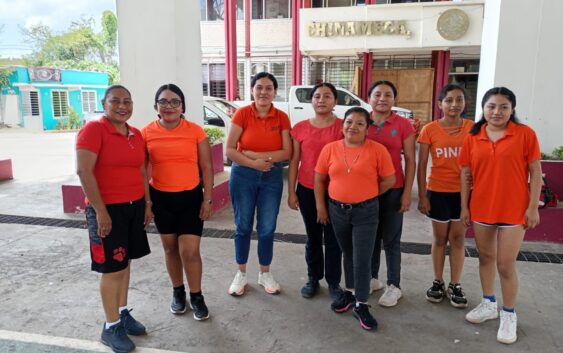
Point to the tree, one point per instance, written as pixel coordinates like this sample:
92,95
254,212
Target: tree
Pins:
77,48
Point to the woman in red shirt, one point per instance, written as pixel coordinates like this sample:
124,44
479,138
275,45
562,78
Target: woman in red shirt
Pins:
111,165
503,158
309,137
440,198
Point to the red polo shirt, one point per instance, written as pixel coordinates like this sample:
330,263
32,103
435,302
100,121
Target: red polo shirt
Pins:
391,134
118,166
500,173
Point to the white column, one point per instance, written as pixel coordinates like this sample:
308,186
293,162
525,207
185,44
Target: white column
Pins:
521,49
159,43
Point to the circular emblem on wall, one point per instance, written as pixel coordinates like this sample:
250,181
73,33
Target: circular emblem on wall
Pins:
452,24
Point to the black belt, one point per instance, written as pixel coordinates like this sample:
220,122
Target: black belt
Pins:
348,206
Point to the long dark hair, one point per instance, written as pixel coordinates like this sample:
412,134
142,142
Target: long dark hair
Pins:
503,91
327,85
383,82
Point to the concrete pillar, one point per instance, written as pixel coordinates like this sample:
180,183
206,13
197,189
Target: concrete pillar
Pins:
441,65
231,49
521,49
160,42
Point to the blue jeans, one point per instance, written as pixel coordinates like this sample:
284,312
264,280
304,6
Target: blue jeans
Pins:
355,230
261,191
319,265
389,233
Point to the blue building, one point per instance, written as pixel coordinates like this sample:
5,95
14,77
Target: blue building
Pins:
43,98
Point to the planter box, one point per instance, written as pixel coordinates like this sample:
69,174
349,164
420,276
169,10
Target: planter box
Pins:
554,175
217,158
73,199
6,169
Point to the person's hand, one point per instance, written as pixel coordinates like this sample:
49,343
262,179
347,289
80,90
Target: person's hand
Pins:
104,222
250,154
322,215
262,165
532,218
148,214
292,200
464,216
205,210
424,205
405,202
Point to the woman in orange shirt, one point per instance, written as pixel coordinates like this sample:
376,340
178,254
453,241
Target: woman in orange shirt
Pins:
258,143
354,211
440,201
501,155
177,150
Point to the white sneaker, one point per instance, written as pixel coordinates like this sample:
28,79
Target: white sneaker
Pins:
391,296
486,310
237,286
375,285
266,280
507,329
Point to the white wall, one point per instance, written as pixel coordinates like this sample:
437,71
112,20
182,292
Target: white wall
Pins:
522,50
159,43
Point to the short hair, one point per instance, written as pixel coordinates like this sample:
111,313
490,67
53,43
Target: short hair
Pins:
360,111
264,74
383,82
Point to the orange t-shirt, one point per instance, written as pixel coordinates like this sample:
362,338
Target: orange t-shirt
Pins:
173,155
365,163
260,134
445,146
500,173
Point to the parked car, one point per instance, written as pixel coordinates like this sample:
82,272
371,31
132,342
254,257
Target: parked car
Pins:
299,107
217,112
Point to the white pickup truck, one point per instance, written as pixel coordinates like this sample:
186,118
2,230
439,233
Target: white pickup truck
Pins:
299,107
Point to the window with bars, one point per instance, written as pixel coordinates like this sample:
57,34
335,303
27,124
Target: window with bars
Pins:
59,100
281,71
213,79
214,10
89,101
30,103
265,9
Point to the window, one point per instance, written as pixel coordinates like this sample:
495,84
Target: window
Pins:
346,99
264,9
60,103
213,79
303,95
338,3
89,100
212,10
30,103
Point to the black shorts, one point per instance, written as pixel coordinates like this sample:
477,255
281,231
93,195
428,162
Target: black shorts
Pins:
177,212
127,239
444,206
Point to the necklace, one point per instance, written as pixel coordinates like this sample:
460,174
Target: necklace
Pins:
348,166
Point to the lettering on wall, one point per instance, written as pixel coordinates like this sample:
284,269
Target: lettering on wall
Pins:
358,28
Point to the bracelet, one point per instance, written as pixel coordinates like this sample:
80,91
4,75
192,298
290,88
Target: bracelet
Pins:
209,202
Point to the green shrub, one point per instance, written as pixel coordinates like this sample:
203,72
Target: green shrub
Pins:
556,154
215,135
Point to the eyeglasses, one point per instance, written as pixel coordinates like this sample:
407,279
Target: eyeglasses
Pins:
118,102
174,103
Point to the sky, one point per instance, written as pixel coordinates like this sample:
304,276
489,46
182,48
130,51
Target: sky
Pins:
57,14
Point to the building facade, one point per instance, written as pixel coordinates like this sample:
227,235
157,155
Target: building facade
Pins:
49,99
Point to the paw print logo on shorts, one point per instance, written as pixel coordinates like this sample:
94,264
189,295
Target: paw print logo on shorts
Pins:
119,254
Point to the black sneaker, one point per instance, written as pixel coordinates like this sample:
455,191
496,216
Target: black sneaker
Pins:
343,303
178,305
310,289
200,309
132,326
361,312
335,291
456,295
436,293
116,338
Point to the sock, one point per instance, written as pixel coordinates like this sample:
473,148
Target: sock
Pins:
491,298
180,289
358,304
508,310
195,295
121,308
110,324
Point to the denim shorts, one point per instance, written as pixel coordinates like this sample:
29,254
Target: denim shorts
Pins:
127,239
